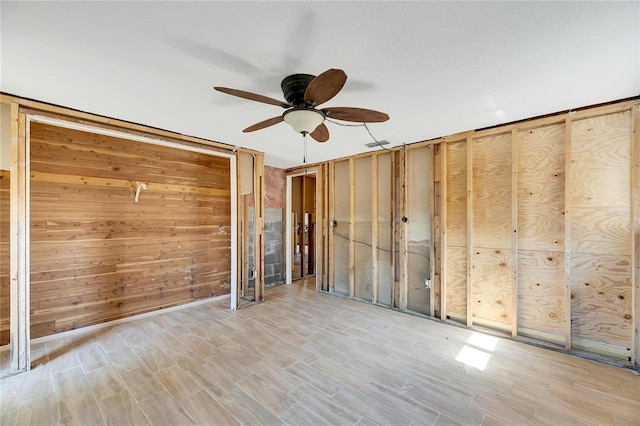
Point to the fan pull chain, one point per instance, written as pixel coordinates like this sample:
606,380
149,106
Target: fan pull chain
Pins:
304,157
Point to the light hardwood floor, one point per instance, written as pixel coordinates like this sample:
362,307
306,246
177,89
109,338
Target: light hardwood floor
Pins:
303,358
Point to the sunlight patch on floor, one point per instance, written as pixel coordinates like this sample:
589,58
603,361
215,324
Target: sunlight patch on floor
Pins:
477,352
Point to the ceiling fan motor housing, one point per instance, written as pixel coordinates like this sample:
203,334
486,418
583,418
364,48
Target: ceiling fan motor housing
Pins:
294,87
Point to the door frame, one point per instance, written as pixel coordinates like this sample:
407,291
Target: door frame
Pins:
315,172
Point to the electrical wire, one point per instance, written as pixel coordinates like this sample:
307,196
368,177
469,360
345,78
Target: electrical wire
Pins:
359,125
344,237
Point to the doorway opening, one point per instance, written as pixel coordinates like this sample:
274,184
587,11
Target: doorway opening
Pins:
301,226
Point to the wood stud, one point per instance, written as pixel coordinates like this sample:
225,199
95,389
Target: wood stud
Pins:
567,233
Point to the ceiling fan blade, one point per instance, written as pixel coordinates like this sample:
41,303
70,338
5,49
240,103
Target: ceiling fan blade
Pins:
359,115
266,123
252,96
321,133
325,86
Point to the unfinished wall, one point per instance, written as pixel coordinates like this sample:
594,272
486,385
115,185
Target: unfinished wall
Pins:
384,183
455,229
601,235
491,256
541,233
5,175
96,255
362,229
274,225
4,257
342,207
536,229
418,212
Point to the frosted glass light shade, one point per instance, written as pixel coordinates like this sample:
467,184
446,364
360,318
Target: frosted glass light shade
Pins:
303,120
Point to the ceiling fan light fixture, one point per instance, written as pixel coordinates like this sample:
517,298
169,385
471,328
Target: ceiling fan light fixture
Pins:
304,120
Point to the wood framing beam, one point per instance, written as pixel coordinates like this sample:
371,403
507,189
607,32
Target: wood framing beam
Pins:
19,242
432,229
514,232
40,108
258,257
352,227
243,288
470,232
319,229
403,292
394,230
443,231
332,216
635,210
567,233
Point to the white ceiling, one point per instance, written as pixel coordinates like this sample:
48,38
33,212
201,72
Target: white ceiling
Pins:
436,68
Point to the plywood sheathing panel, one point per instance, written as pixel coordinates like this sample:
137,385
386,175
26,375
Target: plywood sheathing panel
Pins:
601,229
492,207
362,228
511,202
418,235
341,203
455,181
96,254
540,233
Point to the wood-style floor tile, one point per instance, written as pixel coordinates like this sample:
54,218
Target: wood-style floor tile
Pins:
272,398
92,357
39,411
105,382
124,359
80,410
276,375
300,415
326,407
371,408
142,383
247,410
122,409
305,358
204,410
179,384
162,409
68,384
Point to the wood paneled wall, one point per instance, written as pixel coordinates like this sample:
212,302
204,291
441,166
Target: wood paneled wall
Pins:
536,229
96,255
4,257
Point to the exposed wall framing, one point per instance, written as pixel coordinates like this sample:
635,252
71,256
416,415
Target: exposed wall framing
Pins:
532,228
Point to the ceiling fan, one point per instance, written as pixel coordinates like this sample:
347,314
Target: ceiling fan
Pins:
304,92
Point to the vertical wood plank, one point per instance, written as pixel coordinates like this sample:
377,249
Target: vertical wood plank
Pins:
332,216
443,231
19,228
259,227
374,228
352,227
244,282
319,229
567,233
635,205
404,248
394,238
514,232
469,232
432,227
